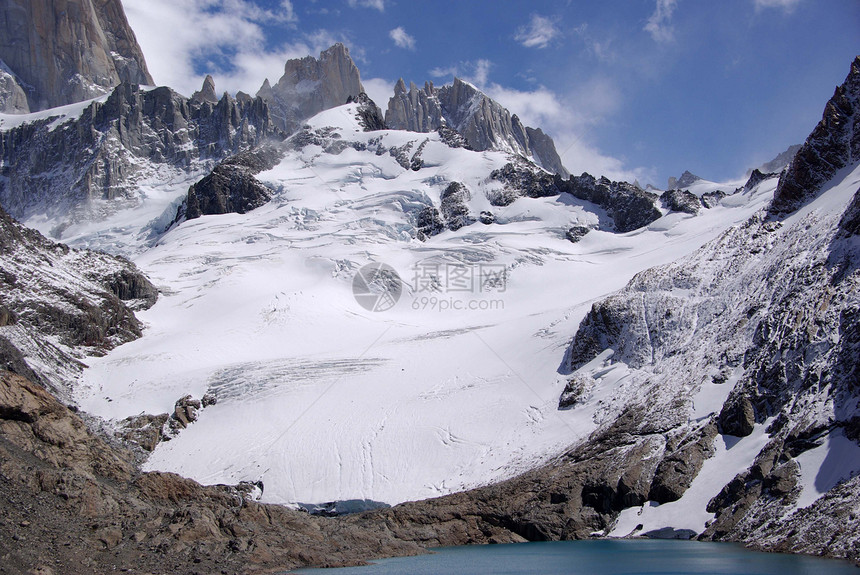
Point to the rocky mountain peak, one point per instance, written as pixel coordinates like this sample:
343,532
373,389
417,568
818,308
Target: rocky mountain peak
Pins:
310,85
484,123
833,144
207,92
686,180
57,52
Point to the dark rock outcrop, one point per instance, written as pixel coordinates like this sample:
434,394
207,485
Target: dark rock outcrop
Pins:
369,115
833,144
520,180
65,51
757,177
64,171
454,207
681,201
73,503
629,207
59,302
231,187
712,199
576,233
428,222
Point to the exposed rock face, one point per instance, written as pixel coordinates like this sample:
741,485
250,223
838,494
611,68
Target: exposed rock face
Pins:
543,149
454,206
681,201
65,51
418,110
231,187
57,303
629,207
311,85
207,92
13,99
576,233
483,122
757,177
74,504
832,145
686,180
369,115
64,171
523,179
712,199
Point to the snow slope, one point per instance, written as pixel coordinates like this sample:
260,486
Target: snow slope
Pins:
323,400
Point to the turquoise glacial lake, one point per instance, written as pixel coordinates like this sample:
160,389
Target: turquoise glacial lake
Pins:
625,557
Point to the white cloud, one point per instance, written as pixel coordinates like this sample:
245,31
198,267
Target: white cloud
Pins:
659,25
376,4
538,34
439,72
787,5
600,49
289,13
481,73
477,72
225,35
379,90
568,120
402,39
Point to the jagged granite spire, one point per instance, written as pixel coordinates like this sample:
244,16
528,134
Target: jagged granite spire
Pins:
207,92
64,51
311,85
415,110
483,122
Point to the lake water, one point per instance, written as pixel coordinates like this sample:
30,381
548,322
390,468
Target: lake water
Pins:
625,557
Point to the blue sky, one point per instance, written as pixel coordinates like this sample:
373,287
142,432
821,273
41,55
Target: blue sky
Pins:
628,88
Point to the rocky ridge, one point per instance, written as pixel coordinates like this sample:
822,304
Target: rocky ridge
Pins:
58,305
483,122
40,48
833,144
65,171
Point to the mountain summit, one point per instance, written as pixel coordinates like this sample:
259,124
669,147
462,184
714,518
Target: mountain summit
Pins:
311,85
483,122
57,52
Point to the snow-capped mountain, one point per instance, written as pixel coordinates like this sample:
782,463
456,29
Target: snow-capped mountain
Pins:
376,310
86,161
323,400
484,123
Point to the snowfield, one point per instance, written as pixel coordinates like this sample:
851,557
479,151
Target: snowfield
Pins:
324,400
